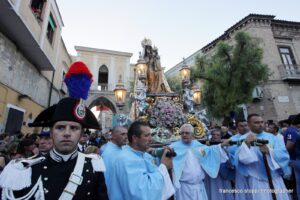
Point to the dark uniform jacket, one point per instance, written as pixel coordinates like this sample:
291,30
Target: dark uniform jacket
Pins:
55,175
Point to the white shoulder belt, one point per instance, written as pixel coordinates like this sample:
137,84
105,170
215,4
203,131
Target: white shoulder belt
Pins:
75,179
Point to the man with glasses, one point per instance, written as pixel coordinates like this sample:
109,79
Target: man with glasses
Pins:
192,161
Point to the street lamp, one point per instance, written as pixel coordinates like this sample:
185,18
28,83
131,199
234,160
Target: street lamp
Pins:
120,93
141,67
185,73
188,93
197,95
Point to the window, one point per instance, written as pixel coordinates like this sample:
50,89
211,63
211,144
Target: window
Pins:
63,88
287,56
51,28
37,8
14,119
63,79
288,60
103,78
63,76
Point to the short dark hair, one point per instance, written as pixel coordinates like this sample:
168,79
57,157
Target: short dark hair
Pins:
296,120
284,123
252,115
116,129
135,129
275,127
216,130
240,121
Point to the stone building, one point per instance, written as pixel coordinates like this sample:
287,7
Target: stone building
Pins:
107,67
33,60
189,61
280,41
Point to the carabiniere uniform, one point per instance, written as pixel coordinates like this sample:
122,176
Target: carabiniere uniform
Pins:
51,175
54,176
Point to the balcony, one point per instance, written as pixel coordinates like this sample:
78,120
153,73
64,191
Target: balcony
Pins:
289,72
13,27
103,87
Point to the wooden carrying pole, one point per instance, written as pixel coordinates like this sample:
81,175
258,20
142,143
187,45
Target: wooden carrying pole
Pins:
269,176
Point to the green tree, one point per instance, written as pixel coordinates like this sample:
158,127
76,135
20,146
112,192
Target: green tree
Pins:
175,83
131,86
231,74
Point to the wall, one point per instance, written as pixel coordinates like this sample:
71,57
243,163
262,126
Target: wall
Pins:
10,96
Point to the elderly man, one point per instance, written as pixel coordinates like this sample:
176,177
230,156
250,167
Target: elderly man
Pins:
258,171
64,173
192,161
134,175
112,150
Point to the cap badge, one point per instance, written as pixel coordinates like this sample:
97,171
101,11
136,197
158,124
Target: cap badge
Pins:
79,111
46,129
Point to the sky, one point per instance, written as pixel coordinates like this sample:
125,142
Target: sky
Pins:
178,28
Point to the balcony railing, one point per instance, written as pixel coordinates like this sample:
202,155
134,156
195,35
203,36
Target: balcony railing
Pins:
103,87
289,72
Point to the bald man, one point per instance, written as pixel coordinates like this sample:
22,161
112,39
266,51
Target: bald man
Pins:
113,148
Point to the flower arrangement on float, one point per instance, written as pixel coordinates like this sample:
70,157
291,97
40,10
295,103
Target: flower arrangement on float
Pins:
165,118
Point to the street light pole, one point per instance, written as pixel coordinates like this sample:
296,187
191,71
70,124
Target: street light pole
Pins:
120,95
188,93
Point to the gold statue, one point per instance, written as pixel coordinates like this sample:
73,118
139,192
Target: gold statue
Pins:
156,80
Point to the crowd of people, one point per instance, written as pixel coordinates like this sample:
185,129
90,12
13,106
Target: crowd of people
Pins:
31,144
247,160
252,160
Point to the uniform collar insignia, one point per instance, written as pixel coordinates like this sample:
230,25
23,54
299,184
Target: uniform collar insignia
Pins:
62,158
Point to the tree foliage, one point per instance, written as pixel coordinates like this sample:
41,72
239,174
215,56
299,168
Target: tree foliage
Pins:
175,83
231,74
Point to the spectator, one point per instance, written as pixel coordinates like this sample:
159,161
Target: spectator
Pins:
91,149
45,141
274,129
82,145
27,148
93,140
225,133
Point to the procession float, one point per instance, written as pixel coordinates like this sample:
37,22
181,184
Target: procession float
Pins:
155,103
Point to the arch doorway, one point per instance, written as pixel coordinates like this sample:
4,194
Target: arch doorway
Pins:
104,110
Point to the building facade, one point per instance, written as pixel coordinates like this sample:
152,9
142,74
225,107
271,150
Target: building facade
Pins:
189,61
280,41
33,58
107,67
